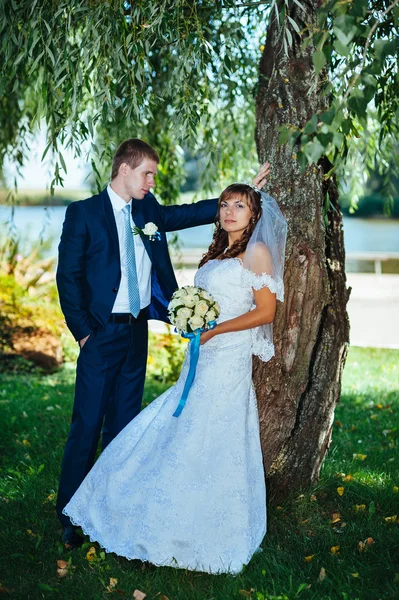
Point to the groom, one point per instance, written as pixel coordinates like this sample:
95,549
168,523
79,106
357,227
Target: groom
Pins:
110,281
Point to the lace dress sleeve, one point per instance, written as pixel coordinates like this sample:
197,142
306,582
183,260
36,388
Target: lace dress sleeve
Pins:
258,273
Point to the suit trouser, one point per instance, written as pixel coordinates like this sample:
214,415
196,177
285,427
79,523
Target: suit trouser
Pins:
110,377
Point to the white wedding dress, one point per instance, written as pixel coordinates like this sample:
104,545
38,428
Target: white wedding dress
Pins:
189,491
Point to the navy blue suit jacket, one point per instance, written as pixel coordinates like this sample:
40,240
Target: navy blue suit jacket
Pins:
89,274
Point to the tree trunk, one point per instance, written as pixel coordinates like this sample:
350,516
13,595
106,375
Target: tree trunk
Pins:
298,389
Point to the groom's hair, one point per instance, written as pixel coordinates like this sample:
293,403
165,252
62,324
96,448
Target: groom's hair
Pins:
132,152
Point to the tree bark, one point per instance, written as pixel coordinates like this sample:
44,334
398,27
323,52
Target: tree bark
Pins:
298,389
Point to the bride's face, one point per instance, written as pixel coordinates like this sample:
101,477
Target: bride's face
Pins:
234,214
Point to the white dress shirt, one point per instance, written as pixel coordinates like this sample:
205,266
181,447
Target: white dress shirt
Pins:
143,262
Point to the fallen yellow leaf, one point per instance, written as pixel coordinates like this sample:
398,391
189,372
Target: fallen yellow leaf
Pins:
137,595
336,517
359,507
30,532
395,489
369,541
379,406
310,557
91,555
313,498
392,519
247,593
26,443
112,584
359,456
334,549
322,574
63,568
355,574
348,478
49,498
341,490
363,546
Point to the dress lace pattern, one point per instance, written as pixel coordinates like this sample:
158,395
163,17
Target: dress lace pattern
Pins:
188,492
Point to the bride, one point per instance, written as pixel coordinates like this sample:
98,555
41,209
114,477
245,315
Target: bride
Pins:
189,491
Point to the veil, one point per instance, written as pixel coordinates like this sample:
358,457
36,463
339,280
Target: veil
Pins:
264,266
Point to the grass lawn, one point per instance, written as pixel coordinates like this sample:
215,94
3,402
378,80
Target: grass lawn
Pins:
339,539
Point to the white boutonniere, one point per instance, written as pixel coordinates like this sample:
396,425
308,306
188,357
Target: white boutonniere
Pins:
150,230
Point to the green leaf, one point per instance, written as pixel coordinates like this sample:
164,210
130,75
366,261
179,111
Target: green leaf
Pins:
345,28
314,150
384,48
371,509
90,125
294,24
338,139
46,588
325,138
311,125
358,103
328,116
359,8
319,60
340,48
62,161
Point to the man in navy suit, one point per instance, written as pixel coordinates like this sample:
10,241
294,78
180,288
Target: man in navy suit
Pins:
110,281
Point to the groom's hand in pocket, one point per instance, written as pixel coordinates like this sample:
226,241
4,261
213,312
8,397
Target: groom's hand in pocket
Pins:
82,342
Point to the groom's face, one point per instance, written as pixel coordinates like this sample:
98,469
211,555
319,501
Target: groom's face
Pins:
138,181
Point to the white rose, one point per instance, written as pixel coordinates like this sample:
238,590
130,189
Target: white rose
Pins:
181,324
201,308
179,294
210,316
191,289
206,296
184,313
196,322
150,229
173,303
190,300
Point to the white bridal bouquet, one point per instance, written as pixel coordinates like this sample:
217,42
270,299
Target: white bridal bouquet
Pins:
192,308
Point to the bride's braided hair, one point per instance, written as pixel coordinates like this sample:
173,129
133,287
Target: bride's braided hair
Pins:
220,238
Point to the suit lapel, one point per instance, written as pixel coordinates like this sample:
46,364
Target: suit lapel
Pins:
139,221
110,219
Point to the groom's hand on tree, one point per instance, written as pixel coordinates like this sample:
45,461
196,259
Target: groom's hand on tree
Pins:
260,179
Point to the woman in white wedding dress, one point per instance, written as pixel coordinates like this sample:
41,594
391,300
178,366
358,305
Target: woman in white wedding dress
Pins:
189,491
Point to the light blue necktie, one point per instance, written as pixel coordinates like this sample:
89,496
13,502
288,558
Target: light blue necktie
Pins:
132,281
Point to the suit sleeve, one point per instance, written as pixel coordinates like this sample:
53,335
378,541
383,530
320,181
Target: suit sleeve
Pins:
70,272
182,216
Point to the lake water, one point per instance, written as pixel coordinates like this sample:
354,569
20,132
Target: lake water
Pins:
34,222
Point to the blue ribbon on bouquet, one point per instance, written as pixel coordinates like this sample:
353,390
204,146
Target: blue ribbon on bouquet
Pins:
195,342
